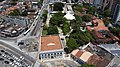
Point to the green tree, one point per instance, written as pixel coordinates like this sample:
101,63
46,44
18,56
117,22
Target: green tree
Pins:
57,19
40,2
78,20
45,27
72,44
86,18
15,13
75,24
77,7
91,10
58,6
107,13
25,13
106,21
89,35
14,0
52,30
66,28
115,31
44,15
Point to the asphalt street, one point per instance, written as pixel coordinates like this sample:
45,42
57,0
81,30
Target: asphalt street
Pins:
17,52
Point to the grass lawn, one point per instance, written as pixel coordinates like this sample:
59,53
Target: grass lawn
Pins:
44,32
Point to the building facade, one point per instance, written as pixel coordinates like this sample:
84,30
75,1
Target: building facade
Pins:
51,48
54,54
116,15
52,1
98,3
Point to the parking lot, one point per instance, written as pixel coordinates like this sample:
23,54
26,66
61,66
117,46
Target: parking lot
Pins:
8,58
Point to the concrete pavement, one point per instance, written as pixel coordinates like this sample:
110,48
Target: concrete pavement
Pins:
28,58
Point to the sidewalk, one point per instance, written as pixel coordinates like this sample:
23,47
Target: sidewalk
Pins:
63,41
48,19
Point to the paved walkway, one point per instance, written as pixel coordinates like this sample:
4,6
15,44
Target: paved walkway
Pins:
48,20
63,40
60,63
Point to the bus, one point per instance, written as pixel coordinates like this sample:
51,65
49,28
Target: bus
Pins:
26,32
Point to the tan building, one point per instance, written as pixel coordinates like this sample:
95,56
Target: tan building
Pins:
50,48
83,56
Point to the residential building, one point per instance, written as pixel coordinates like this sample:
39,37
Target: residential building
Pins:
107,4
114,5
88,1
50,48
52,1
116,15
97,3
114,49
99,59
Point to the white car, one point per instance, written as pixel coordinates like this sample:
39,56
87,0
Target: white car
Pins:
17,63
15,66
15,57
21,57
4,55
14,61
18,60
10,63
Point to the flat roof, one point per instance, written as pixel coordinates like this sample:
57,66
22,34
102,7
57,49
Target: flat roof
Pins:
50,42
112,48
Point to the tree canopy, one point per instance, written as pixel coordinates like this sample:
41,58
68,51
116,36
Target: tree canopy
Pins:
58,6
72,44
52,30
91,10
58,19
14,0
25,13
66,27
15,13
107,13
44,15
106,21
86,18
115,31
40,2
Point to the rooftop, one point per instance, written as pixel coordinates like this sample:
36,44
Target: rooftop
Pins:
112,48
69,16
98,28
100,57
50,42
77,53
85,56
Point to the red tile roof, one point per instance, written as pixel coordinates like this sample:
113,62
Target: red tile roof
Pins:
97,21
51,42
98,28
97,35
77,53
89,28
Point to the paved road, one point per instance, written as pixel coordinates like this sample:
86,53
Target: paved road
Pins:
35,27
29,59
68,63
